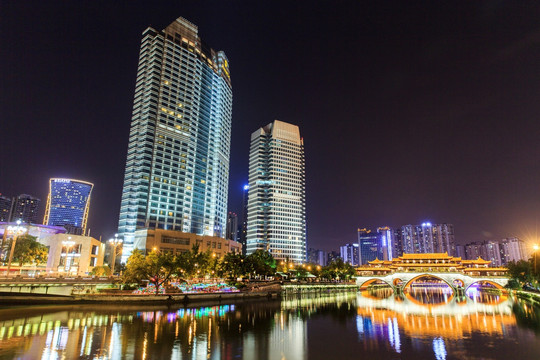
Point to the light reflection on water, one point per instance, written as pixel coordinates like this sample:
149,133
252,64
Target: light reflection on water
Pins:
423,323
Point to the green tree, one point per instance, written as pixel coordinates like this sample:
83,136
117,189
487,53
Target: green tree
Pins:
261,262
338,269
521,271
193,263
156,267
28,250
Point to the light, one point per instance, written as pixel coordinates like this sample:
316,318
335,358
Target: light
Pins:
246,187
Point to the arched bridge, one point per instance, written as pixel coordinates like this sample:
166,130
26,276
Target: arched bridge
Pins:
456,280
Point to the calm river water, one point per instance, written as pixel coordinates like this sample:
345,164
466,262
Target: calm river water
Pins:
424,324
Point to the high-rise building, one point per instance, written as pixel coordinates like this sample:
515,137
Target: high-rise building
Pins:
332,256
474,250
387,242
276,200
492,252
428,238
5,208
460,252
350,254
397,250
25,208
316,256
242,228
232,226
512,249
68,204
369,245
177,168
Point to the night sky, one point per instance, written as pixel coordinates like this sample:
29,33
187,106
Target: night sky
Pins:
410,111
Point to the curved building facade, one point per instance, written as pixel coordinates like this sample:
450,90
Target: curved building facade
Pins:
68,204
177,168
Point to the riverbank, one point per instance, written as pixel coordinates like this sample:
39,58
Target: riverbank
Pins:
15,299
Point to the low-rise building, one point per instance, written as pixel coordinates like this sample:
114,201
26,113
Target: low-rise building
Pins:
73,254
178,242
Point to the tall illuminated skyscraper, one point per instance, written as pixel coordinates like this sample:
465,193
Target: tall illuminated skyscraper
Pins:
177,168
276,197
68,204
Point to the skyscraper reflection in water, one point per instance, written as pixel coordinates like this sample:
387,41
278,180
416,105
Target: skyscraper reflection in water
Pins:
321,325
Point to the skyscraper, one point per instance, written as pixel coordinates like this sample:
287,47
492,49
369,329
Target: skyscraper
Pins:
276,199
68,204
350,254
177,167
428,238
5,208
25,208
232,226
369,246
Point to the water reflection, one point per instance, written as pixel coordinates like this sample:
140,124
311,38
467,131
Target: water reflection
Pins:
373,322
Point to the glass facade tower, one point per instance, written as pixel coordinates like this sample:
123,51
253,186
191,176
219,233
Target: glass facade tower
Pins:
177,168
68,204
276,219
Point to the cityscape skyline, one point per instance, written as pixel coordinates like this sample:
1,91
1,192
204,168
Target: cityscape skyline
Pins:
470,154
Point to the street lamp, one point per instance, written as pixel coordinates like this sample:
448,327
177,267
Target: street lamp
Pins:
16,231
114,244
535,247
68,244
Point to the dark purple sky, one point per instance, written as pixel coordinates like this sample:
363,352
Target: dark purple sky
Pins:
410,111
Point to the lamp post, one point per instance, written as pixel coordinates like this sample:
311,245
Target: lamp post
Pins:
68,244
114,244
16,231
535,247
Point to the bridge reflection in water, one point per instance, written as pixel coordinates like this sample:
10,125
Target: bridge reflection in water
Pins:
424,322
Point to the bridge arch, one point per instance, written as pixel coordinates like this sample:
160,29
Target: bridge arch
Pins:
497,286
409,282
365,284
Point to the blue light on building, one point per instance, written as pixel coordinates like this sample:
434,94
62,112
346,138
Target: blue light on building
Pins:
68,203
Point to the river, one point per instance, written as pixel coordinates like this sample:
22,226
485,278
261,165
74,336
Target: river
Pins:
423,324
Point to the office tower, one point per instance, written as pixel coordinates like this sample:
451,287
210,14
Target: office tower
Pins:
428,238
177,168
397,249
25,208
473,250
492,252
276,200
68,204
350,254
387,242
316,256
460,252
5,208
512,249
369,245
242,229
332,256
232,226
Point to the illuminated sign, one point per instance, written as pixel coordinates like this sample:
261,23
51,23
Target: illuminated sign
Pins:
16,230
62,180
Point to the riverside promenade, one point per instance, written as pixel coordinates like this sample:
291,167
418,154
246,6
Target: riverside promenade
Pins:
94,290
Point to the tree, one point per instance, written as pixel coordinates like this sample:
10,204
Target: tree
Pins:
338,269
101,271
261,262
29,250
156,267
232,265
521,271
193,263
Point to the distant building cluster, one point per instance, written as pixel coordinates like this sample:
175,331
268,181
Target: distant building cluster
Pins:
386,244
499,252
23,207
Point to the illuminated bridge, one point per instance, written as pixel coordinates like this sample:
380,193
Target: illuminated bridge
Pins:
402,272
